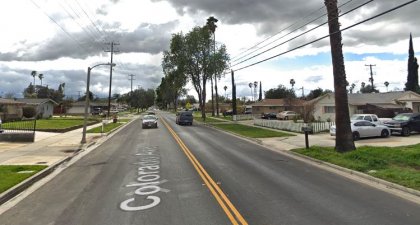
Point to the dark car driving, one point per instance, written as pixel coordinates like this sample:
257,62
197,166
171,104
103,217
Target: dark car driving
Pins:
404,123
184,118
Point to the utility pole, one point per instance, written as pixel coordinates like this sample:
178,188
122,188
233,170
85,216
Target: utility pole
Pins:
233,93
131,93
303,92
371,75
110,74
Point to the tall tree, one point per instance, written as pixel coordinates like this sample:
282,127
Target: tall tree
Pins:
33,74
292,82
280,92
173,67
386,83
316,93
344,138
211,25
260,95
413,68
41,76
29,92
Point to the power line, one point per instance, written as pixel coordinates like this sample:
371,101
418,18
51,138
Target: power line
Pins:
294,30
54,21
319,39
301,34
279,32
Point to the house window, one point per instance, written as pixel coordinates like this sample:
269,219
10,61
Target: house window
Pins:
272,107
329,109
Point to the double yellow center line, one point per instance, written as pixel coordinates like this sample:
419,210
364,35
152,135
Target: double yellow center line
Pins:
232,213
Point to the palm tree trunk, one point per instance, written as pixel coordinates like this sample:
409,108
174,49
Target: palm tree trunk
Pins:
344,138
212,98
217,96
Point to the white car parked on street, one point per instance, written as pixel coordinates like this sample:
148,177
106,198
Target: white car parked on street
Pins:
363,128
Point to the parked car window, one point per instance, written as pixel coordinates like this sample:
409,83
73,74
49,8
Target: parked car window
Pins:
358,124
416,118
375,118
368,118
402,117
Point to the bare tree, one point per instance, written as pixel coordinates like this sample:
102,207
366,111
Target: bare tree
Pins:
344,138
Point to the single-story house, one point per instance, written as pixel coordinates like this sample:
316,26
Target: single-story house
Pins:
78,108
385,105
278,105
44,106
10,109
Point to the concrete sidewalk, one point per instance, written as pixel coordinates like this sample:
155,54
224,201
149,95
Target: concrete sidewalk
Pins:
48,148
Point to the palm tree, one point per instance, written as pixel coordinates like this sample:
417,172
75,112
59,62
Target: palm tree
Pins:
225,87
363,84
250,86
386,85
33,74
211,25
41,76
292,82
344,137
255,90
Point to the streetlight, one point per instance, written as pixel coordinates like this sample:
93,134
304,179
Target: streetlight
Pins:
87,98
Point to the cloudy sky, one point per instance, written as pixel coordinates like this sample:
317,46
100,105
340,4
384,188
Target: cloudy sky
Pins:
61,38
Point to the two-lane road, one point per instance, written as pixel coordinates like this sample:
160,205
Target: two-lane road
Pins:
197,175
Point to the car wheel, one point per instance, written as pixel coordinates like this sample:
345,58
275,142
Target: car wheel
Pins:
286,118
384,133
405,131
356,136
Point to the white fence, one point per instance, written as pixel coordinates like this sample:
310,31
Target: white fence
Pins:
317,127
242,117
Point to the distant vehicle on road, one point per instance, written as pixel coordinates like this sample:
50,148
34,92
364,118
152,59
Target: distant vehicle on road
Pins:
363,128
404,123
149,121
286,115
269,116
184,118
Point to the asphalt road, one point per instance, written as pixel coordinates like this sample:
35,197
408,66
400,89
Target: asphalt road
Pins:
145,177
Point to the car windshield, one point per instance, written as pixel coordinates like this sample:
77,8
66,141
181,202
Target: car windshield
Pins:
149,117
356,117
402,117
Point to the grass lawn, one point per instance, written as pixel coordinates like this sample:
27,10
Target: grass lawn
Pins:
399,165
107,128
253,132
9,175
58,123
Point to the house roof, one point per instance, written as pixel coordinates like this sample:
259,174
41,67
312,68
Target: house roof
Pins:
279,102
36,101
376,98
5,101
387,98
93,104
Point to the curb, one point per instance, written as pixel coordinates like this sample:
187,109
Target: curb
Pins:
389,186
17,189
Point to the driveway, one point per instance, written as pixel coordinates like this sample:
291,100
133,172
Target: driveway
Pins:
324,139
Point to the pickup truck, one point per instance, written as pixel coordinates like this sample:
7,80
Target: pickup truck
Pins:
404,123
368,117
